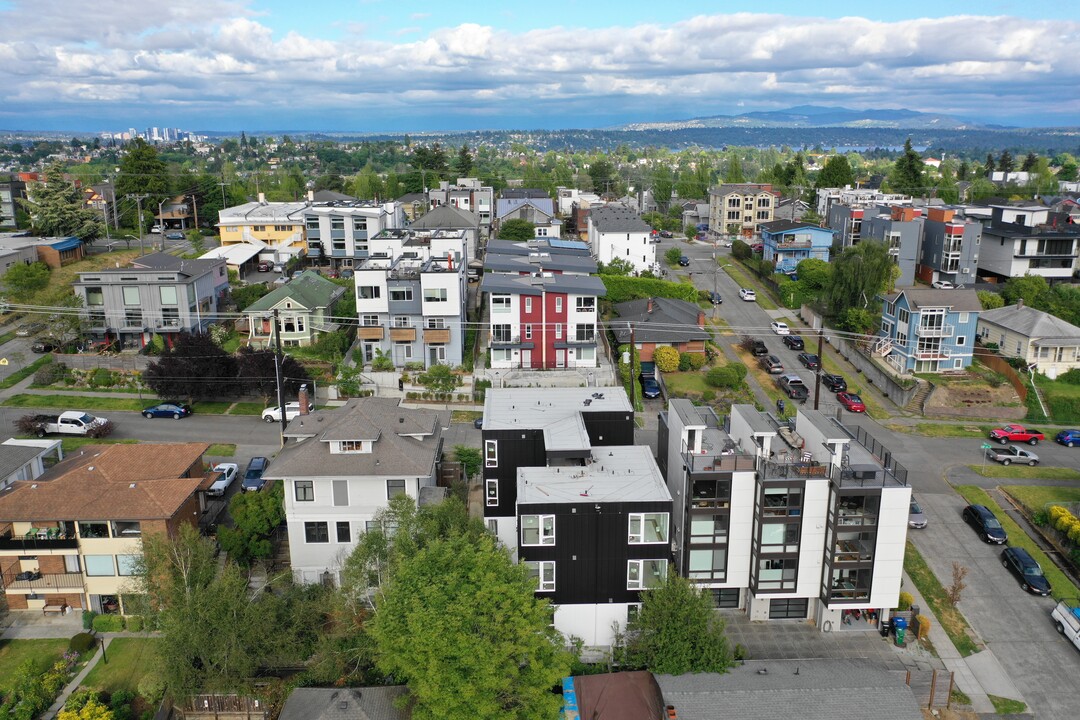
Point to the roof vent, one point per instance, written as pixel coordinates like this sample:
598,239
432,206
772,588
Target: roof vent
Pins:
91,468
401,420
34,486
132,486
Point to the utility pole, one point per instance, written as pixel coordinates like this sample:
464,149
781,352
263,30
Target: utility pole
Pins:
222,193
195,206
821,365
277,375
633,380
138,202
161,222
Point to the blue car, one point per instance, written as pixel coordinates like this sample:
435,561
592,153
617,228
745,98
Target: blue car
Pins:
1068,438
167,410
253,476
650,388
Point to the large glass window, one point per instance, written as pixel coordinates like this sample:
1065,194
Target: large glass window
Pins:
648,528
434,294
99,565
708,529
500,303
131,296
708,564
492,491
782,501
368,292
93,530
95,296
645,574
780,537
399,294
343,533
126,528
537,529
128,565
316,532
167,294
777,573
544,574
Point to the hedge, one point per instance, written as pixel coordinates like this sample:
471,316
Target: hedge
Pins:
620,289
108,623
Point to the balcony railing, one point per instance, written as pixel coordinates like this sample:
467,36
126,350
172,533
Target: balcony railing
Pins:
794,244
943,330
500,339
938,353
370,332
46,583
403,334
779,470
716,460
28,546
436,335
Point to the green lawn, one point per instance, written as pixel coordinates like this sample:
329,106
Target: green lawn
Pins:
738,274
465,416
953,430
1059,581
684,384
1037,497
81,402
1062,400
832,365
71,444
952,620
207,407
221,450
129,660
23,373
1024,471
14,653
247,408
1005,706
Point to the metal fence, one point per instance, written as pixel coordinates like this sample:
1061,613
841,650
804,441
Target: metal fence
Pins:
882,453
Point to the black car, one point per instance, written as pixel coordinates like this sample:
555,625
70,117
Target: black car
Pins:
794,342
650,388
985,523
715,299
666,234
683,260
478,423
809,360
44,346
834,383
757,348
253,476
1019,562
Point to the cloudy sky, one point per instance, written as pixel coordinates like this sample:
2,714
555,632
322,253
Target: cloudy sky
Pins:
379,65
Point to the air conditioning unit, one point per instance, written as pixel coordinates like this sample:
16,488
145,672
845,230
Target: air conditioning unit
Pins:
966,271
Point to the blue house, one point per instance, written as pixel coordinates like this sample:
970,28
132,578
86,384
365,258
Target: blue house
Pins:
788,242
928,330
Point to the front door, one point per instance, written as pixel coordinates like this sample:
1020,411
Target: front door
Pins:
560,358
369,351
526,358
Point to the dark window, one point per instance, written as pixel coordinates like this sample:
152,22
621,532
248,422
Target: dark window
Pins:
343,534
305,492
726,597
316,532
790,608
395,487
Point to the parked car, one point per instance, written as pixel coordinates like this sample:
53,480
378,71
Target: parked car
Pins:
758,247
715,299
771,364
757,348
166,410
833,383
793,387
650,388
155,229
44,346
297,273
292,410
985,523
851,402
780,328
1019,562
253,476
942,285
28,329
265,266
748,294
809,360
1068,438
1016,433
1066,617
347,274
174,236
69,422
666,234
916,517
1012,454
684,261
478,423
794,342
228,471
278,268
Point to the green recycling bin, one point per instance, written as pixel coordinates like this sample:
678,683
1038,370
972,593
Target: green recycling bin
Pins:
900,626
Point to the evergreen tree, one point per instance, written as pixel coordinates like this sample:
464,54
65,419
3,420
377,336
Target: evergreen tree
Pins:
142,172
907,172
962,172
734,172
57,207
1029,162
1006,164
990,166
837,173
464,163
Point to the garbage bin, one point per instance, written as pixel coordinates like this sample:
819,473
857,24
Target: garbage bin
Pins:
900,626
885,627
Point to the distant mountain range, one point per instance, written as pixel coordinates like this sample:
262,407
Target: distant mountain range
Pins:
816,116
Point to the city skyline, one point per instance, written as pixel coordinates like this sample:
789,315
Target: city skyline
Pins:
370,66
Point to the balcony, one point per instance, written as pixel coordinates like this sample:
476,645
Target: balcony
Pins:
167,324
794,244
713,459
437,336
46,583
937,353
505,339
33,545
370,332
936,330
853,551
403,334
782,470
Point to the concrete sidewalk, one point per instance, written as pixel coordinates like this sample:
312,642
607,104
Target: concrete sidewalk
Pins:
72,686
977,675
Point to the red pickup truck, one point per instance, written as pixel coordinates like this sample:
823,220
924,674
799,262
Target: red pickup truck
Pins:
1016,433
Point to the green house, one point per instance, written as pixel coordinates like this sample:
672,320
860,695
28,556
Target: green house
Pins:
305,308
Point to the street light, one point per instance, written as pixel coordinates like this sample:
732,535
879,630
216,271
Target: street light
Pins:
141,251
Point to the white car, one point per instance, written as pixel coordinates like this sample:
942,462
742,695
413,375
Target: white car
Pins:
748,294
780,328
943,285
292,410
228,472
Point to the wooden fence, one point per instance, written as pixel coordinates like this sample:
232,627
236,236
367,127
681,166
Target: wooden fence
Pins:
995,362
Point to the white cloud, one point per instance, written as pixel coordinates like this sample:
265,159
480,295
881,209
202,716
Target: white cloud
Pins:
220,55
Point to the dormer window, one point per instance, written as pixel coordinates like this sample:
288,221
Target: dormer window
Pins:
353,446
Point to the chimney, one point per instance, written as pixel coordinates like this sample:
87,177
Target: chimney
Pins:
262,198
648,308
701,318
1020,303
311,195
302,398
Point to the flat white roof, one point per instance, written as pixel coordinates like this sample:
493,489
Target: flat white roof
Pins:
618,473
509,408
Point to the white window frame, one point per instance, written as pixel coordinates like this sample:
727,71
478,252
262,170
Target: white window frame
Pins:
545,530
528,332
638,567
501,303
960,340
586,304
491,453
491,486
405,290
540,569
528,304
558,304
638,538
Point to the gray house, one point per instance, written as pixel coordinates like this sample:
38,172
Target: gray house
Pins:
157,294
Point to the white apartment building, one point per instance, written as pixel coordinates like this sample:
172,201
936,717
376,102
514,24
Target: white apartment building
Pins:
339,232
616,231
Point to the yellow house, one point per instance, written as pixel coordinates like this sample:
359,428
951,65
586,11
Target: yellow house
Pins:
1048,343
280,225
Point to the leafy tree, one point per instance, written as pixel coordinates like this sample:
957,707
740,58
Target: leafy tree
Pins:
255,516
666,358
1032,289
726,376
256,373
245,295
617,266
464,163
142,172
990,165
332,181
963,171
195,367
663,183
814,276
433,158
461,624
439,378
677,631
23,280
197,241
859,320
672,255
837,173
470,458
907,175
860,273
990,300
1068,170
602,173
734,171
367,185
517,229
56,207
